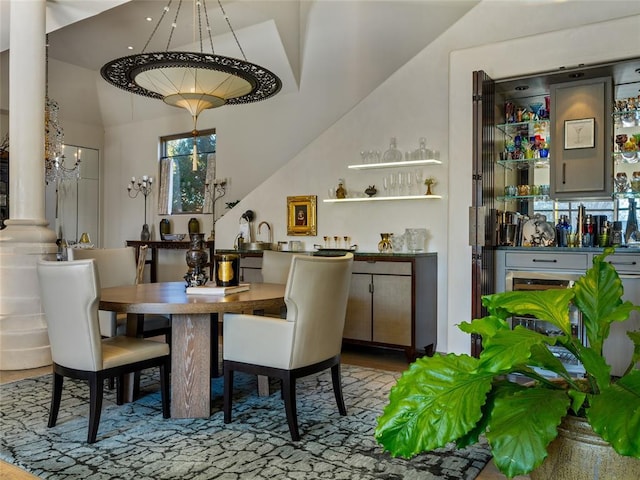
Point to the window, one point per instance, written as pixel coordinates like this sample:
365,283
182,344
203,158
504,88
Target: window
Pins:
613,209
184,176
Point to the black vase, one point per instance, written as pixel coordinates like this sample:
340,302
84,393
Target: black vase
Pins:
196,258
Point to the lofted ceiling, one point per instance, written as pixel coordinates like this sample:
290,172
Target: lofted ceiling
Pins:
90,33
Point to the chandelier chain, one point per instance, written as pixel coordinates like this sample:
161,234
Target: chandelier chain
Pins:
155,29
206,17
224,14
173,25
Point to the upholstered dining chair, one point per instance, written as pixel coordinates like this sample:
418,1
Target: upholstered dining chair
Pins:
118,266
275,269
70,293
309,340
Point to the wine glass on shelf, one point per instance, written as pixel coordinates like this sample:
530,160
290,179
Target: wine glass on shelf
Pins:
419,179
385,185
392,184
401,183
409,179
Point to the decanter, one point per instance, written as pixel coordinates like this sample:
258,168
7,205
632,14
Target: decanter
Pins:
392,154
422,153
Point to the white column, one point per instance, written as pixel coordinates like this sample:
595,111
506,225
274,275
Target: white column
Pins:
24,342
26,107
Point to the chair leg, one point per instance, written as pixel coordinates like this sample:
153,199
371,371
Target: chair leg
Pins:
337,388
96,389
56,396
289,387
228,392
120,390
164,388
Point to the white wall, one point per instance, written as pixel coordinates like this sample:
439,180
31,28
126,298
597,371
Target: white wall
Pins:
431,97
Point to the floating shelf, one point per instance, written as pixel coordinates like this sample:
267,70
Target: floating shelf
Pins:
408,163
377,199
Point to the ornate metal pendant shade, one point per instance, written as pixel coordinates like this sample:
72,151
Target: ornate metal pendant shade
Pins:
195,81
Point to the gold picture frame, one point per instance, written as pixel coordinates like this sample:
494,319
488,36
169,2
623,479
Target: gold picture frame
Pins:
301,215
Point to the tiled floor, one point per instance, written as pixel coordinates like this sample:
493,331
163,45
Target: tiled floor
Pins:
385,359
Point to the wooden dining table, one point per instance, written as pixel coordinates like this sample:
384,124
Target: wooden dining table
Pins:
194,336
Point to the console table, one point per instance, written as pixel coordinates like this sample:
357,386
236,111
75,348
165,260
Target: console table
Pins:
154,246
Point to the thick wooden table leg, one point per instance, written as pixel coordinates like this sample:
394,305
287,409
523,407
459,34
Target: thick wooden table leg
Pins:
263,386
131,385
191,366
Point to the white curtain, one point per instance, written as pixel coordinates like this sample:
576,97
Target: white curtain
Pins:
209,193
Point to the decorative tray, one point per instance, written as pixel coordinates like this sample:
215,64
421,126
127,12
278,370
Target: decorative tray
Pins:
334,251
173,237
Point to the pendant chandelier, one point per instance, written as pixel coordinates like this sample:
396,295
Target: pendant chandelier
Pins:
195,81
54,160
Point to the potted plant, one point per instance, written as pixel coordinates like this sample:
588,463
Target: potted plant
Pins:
458,398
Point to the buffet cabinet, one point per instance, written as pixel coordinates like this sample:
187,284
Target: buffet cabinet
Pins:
393,303
392,300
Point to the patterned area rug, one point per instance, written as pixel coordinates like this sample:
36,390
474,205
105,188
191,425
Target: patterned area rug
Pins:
134,441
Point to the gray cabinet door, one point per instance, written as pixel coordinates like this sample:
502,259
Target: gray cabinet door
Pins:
581,155
357,325
392,309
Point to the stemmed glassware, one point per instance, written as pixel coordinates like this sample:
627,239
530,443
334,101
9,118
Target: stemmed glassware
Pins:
401,183
419,178
392,185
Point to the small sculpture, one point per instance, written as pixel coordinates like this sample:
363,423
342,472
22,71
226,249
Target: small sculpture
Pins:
429,182
341,192
371,190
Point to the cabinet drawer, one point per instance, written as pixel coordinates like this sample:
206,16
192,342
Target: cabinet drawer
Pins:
544,260
388,268
251,262
625,263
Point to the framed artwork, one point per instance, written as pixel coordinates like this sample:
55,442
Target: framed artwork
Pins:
301,215
579,133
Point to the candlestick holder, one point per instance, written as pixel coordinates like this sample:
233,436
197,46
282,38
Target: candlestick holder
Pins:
216,192
142,185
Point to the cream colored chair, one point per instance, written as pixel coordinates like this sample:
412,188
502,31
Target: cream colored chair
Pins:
70,293
117,266
309,340
275,266
275,269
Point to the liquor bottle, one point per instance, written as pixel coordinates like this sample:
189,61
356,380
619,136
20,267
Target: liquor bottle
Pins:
392,154
631,232
563,229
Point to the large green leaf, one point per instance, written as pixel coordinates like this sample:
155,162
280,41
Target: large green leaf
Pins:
551,305
595,365
522,425
615,414
598,295
435,401
487,326
509,348
635,338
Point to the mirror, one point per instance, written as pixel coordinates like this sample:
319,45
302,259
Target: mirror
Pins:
72,206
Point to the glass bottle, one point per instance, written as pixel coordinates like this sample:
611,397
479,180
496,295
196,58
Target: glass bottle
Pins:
587,231
423,153
563,229
392,154
631,232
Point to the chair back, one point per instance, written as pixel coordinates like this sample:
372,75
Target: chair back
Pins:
276,266
70,294
116,266
316,297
